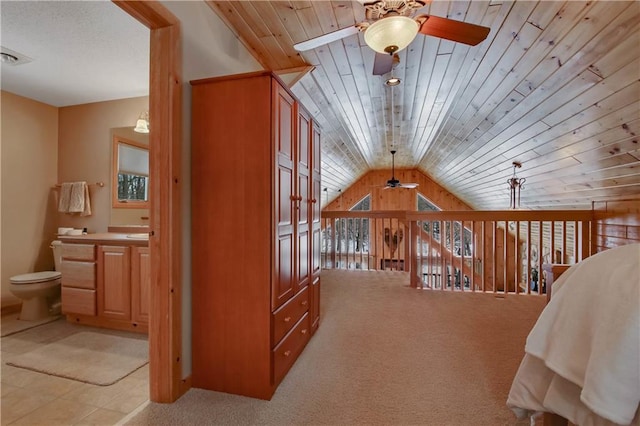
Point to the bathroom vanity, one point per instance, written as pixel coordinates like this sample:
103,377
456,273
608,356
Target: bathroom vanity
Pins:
106,280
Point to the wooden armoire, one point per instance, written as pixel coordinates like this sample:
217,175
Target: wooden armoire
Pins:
255,189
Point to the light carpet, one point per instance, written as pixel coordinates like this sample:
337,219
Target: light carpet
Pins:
88,357
385,354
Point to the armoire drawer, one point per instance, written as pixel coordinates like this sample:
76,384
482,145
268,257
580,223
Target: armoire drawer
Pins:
78,251
286,353
288,315
78,301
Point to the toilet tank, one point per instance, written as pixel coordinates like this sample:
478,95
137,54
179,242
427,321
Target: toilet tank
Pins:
56,246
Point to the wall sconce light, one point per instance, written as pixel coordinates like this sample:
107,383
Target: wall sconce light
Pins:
515,185
142,125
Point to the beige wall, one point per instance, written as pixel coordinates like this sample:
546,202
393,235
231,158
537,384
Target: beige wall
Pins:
85,149
29,169
206,40
41,146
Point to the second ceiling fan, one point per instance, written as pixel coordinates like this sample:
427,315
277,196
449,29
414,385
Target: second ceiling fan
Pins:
389,28
393,182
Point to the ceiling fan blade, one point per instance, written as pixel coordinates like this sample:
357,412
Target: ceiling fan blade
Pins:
382,64
326,38
409,185
461,32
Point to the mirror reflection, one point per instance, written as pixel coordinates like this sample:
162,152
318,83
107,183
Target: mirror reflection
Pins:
130,184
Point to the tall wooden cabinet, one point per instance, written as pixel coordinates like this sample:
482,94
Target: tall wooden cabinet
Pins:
255,215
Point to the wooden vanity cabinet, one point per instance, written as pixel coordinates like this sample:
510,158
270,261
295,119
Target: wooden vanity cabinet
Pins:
255,191
78,283
106,285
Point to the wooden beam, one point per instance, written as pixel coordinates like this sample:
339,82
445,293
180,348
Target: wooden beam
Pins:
165,241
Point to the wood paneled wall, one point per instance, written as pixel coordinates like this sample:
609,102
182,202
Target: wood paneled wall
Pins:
398,198
618,223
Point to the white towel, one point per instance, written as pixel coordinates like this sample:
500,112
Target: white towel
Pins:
65,196
74,198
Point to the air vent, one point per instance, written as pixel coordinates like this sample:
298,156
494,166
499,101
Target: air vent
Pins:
13,58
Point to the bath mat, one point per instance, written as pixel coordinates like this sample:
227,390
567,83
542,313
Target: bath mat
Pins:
12,325
98,359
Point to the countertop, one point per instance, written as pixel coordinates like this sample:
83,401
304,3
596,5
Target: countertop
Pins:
107,238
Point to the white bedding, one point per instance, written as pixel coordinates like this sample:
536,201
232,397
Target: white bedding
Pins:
582,358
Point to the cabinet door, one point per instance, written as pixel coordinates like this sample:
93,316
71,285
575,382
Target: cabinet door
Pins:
283,284
303,210
140,284
114,285
316,207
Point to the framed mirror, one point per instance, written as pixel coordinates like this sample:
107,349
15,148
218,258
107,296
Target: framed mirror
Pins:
130,174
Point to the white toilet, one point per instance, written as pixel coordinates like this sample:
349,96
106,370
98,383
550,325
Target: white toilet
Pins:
39,291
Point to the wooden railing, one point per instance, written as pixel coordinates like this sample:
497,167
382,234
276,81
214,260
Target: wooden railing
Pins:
487,251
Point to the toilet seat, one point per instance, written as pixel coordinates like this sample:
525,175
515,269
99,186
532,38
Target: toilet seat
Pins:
35,277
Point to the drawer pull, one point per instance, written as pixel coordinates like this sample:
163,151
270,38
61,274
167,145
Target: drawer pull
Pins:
287,319
287,353
303,331
304,303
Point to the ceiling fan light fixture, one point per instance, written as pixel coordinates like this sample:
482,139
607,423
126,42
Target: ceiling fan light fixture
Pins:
393,81
391,34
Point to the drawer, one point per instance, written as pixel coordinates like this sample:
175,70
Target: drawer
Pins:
288,314
78,301
286,353
78,274
78,251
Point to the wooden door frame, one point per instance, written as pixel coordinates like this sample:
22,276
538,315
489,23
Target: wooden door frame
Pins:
165,240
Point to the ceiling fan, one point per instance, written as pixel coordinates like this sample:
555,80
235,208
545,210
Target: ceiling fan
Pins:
393,182
389,28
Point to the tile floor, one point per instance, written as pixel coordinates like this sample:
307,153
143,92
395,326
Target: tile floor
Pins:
30,398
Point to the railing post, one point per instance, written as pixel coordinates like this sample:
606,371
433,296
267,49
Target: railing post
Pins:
413,253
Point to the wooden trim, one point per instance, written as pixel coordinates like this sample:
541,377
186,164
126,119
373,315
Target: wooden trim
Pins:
11,309
469,215
165,242
302,71
110,323
149,13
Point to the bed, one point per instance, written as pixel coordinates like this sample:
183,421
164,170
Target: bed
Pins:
582,357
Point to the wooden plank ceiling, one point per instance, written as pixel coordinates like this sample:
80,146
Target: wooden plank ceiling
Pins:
554,86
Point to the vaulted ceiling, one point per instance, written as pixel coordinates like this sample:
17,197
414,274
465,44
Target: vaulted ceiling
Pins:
555,86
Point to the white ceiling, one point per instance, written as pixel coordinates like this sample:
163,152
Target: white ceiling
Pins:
80,51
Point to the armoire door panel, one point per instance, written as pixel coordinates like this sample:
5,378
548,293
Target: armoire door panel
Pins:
284,190
303,205
315,251
283,287
304,140
284,124
303,259
316,150
316,208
